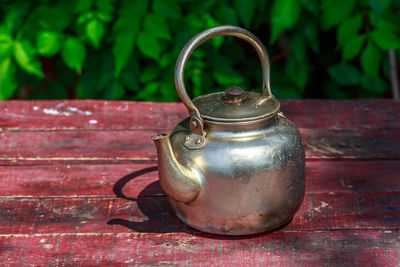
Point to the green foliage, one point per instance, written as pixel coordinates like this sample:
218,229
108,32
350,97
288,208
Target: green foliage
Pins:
73,54
335,11
284,15
124,49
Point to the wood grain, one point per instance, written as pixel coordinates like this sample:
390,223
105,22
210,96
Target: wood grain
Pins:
53,115
77,147
79,187
322,248
130,180
320,211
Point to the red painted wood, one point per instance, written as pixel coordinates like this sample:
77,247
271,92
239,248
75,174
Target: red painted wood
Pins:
352,143
382,208
88,114
336,211
78,186
20,148
109,180
324,248
320,211
92,114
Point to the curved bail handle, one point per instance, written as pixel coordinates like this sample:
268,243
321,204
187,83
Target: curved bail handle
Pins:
196,122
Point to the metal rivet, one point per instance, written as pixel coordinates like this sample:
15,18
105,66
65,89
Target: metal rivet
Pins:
198,141
194,123
187,138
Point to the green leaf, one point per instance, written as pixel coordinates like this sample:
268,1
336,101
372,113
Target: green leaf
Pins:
169,9
87,84
25,55
149,73
125,31
385,39
370,60
349,28
228,78
149,45
297,67
334,11
73,54
85,17
165,60
284,15
211,22
379,6
132,10
226,15
245,10
13,15
389,24
115,91
82,5
104,16
6,43
7,79
122,50
55,18
156,25
311,33
105,5
352,47
148,91
311,6
48,43
168,92
344,74
297,73
129,76
95,32
374,85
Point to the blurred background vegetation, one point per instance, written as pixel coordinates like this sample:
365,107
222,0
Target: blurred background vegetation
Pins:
125,49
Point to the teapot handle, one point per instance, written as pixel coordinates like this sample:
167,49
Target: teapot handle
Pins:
196,122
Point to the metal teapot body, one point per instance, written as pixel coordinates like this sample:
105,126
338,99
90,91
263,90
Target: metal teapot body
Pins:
236,166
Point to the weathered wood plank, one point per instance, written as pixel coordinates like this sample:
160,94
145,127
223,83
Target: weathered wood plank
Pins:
102,115
320,211
88,114
132,180
340,248
24,148
60,211
70,146
380,208
351,143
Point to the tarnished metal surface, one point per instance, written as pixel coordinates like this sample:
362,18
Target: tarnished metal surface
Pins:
240,173
252,106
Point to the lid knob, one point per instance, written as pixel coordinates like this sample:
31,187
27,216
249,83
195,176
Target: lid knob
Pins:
234,94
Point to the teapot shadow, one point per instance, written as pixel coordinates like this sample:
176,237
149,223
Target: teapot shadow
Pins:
161,218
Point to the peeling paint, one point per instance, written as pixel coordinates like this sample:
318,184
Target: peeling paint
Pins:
67,112
323,205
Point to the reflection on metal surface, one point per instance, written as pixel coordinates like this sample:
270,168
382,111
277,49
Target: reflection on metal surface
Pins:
239,169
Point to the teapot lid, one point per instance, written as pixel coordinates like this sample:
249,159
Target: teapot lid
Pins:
236,105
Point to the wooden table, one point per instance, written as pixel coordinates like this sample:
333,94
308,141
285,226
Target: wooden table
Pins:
78,186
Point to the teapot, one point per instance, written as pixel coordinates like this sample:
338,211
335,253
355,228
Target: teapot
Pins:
236,165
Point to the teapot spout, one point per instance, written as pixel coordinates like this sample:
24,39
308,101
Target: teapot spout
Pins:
178,181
